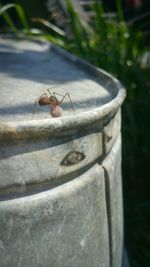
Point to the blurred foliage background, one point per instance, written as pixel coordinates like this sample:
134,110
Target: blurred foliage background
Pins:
115,36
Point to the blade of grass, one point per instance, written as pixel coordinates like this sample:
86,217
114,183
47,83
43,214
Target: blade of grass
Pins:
7,18
20,13
53,39
120,10
22,16
76,27
50,26
99,21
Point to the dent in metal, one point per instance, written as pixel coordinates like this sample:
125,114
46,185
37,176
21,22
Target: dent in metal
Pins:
72,158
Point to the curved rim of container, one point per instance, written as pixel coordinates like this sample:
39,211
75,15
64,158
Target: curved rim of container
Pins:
28,129
18,130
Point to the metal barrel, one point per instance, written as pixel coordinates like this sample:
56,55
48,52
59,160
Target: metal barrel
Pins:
60,178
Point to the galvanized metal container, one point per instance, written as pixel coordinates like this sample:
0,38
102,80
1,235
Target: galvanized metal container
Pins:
60,178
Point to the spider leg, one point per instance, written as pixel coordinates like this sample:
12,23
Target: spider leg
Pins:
48,89
34,108
35,104
63,97
56,86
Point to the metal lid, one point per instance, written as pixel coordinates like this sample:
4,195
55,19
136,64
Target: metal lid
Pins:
29,67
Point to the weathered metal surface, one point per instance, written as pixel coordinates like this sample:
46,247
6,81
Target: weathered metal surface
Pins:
53,171
40,160
28,69
110,132
31,69
112,168
58,227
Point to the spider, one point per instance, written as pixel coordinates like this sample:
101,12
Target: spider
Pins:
53,102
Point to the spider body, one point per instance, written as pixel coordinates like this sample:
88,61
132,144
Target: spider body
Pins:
56,111
44,100
53,102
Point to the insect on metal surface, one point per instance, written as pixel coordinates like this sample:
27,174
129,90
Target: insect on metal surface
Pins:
53,101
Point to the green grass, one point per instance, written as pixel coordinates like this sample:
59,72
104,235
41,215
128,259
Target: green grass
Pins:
118,47
9,21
